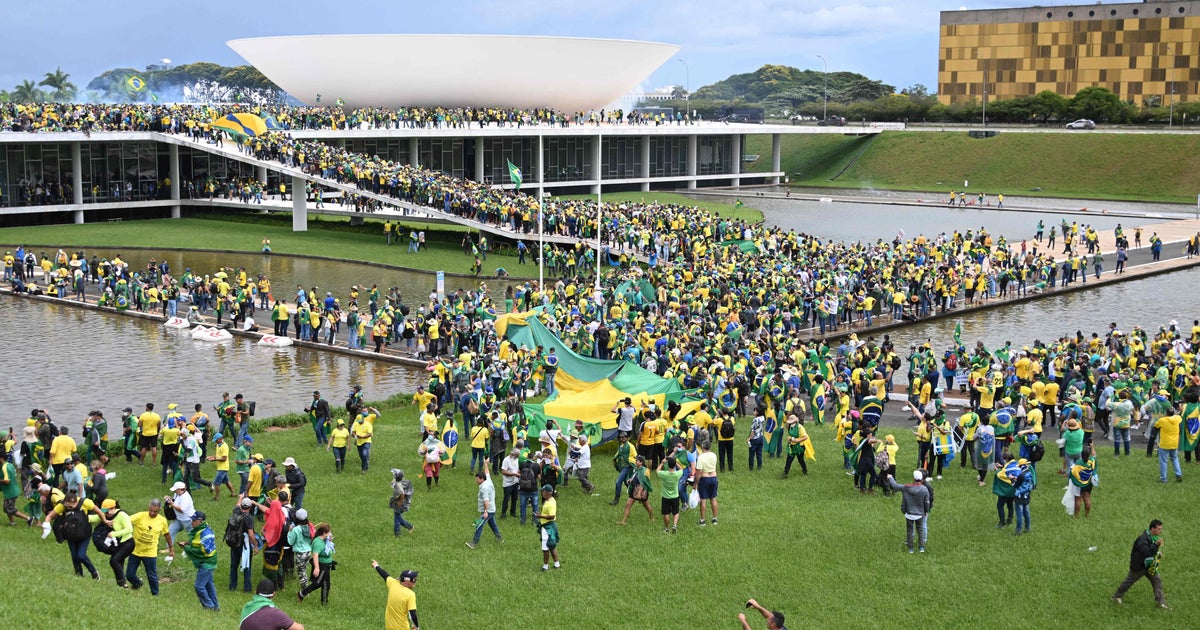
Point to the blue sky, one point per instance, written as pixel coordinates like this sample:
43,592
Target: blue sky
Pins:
891,40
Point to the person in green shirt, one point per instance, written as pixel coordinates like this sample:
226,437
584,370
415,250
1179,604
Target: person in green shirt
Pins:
201,549
322,563
300,539
10,487
670,493
243,461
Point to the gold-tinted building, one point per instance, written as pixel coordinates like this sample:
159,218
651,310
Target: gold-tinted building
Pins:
1145,51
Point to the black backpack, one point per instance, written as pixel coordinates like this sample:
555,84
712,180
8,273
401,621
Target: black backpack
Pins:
74,525
528,481
895,363
727,428
234,529
99,535
1037,450
350,406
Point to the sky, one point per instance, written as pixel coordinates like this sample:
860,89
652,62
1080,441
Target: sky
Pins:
894,41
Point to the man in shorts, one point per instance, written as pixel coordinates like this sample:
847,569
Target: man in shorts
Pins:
148,426
670,493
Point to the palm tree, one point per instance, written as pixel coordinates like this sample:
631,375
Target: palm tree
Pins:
27,92
63,89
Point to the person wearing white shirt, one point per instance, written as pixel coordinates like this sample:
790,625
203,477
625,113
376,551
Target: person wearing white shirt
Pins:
510,469
579,455
180,501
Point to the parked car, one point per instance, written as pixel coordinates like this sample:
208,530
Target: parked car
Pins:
1082,123
832,121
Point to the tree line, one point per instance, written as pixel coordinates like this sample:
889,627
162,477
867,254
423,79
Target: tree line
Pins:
200,82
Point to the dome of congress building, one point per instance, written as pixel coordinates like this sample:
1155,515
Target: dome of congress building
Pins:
564,73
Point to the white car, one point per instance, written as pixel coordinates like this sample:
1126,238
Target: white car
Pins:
1082,123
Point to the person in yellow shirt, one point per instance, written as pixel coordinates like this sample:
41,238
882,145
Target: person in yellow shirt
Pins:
364,428
401,611
428,421
169,437
479,434
61,450
79,557
547,521
221,457
650,435
339,437
148,528
148,427
1168,445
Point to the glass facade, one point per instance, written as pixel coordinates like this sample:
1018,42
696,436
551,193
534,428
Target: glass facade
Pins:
668,156
1137,51
394,149
621,158
498,151
197,167
714,155
35,174
444,154
567,159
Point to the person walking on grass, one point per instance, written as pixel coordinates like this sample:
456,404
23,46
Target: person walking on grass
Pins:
322,564
1144,561
914,504
547,522
401,501
670,479
401,611
300,539
201,549
640,489
706,479
486,504
148,527
221,457
338,439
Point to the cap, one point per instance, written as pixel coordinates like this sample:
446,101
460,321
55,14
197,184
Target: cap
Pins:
129,409
547,488
266,588
316,393
238,396
1023,462
289,462
302,514
218,436
246,502
108,504
172,406
917,475
258,456
247,438
178,485
199,516
408,574
341,422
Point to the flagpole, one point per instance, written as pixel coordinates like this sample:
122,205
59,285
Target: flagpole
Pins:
599,224
541,248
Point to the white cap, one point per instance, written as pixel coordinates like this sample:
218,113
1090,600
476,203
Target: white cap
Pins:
917,475
302,514
289,462
178,485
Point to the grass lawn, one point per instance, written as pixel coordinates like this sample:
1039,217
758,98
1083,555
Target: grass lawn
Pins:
719,207
1139,167
810,546
328,238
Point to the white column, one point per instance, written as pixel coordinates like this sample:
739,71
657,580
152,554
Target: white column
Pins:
646,163
775,144
597,164
173,173
539,168
299,206
479,175
736,168
260,173
693,142
413,149
77,174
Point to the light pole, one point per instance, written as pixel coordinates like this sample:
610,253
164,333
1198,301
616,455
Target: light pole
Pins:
824,89
1171,118
687,74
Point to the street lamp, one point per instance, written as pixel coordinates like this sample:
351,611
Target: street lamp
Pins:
824,89
1171,119
687,93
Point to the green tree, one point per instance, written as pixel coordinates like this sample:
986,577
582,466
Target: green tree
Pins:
1047,105
1098,104
60,84
28,92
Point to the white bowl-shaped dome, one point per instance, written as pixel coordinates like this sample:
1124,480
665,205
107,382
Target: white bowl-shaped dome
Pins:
564,73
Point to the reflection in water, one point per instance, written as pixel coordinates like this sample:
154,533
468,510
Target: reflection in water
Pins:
70,361
1148,303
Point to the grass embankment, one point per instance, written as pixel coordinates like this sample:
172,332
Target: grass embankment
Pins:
328,238
810,546
1139,167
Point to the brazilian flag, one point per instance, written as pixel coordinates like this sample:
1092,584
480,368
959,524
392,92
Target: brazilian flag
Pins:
1082,475
1191,426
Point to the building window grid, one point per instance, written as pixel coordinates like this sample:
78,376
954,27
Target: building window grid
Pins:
668,156
497,152
714,155
621,158
567,159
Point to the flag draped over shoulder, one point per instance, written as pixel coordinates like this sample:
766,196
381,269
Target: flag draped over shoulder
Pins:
449,439
1191,426
514,173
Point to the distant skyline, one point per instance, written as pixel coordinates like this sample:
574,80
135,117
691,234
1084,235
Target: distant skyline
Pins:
894,41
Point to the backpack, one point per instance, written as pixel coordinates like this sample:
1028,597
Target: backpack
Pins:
74,525
350,406
895,363
99,535
727,429
528,481
1037,450
234,529
952,362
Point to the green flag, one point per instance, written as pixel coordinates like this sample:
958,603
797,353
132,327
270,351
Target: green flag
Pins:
515,174
958,335
340,102
738,204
